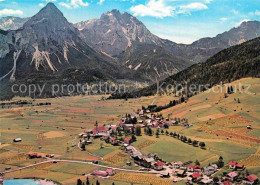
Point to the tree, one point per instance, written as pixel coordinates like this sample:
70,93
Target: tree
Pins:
166,126
230,89
197,162
166,132
150,132
195,143
157,133
215,180
138,131
87,183
145,131
162,132
202,144
220,162
113,183
79,182
83,146
97,182
184,139
238,101
134,120
189,141
133,138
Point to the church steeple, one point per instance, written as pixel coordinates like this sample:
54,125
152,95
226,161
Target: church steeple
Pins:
96,126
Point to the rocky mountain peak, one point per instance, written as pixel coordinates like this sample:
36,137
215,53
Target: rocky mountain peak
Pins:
49,25
51,14
50,9
120,30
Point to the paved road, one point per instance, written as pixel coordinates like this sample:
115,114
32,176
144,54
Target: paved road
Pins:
81,162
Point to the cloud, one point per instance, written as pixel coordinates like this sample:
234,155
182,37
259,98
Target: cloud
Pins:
50,0
10,12
41,5
208,1
78,3
223,19
153,8
74,4
234,11
187,9
65,4
159,8
101,2
255,13
1,0
239,23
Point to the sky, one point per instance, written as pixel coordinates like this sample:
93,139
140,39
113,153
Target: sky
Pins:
181,21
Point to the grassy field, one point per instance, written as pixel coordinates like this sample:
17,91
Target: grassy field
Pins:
219,122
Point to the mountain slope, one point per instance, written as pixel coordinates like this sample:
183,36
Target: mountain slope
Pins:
228,65
12,23
207,47
49,49
124,37
114,32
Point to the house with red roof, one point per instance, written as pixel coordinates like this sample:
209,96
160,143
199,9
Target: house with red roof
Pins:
114,127
99,173
190,168
114,141
158,165
177,164
110,172
141,112
34,155
99,131
127,140
232,164
240,166
195,176
197,168
251,180
227,182
232,176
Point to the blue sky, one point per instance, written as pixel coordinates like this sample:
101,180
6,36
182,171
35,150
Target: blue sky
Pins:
182,21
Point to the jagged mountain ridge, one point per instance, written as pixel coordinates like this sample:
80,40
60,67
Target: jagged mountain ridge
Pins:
230,64
12,23
245,31
48,43
114,32
124,37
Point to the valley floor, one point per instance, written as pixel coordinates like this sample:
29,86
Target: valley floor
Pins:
51,129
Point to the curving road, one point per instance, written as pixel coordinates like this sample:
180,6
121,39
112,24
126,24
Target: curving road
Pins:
81,162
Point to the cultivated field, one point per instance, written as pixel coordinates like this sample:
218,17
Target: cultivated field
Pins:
51,129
